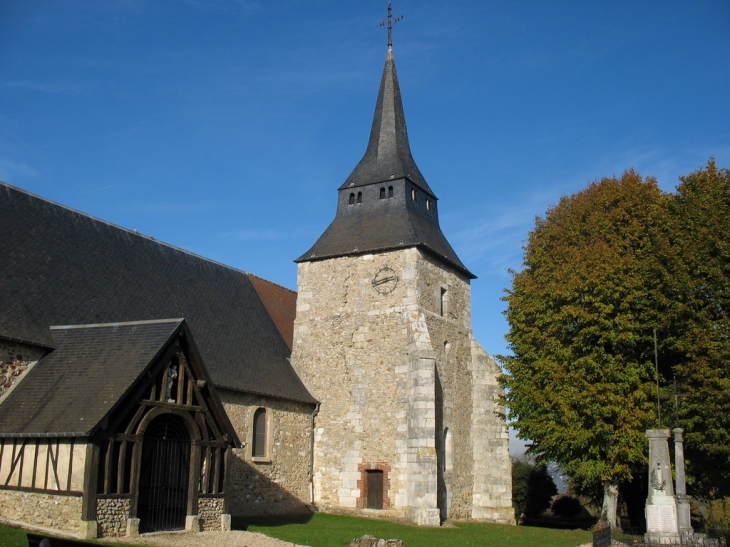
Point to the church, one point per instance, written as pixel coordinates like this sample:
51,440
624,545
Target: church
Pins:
146,388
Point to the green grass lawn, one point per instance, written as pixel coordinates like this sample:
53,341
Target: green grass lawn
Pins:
324,530
15,537
12,537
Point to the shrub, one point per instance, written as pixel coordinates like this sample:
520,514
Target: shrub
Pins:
566,507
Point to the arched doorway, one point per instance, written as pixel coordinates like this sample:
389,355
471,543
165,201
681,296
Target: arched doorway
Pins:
164,474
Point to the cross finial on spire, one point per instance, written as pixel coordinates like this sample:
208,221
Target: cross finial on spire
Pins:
388,22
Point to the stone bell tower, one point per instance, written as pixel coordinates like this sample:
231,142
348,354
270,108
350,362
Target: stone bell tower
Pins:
408,426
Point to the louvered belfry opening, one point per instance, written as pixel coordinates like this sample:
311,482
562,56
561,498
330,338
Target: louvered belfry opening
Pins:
164,476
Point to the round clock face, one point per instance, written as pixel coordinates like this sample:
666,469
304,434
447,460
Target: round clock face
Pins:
385,280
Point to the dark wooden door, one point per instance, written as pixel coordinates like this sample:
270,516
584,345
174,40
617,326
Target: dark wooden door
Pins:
375,489
165,470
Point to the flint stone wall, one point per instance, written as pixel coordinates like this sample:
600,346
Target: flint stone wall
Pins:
49,510
209,513
15,360
278,484
111,516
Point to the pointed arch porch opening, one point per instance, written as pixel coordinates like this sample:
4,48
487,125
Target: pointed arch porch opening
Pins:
161,457
165,474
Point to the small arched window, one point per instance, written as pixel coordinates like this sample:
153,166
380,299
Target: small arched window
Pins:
382,193
359,197
428,205
414,196
390,191
352,199
258,448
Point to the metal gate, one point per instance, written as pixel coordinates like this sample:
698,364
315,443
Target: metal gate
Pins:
164,475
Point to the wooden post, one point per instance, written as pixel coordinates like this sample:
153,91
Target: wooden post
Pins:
91,470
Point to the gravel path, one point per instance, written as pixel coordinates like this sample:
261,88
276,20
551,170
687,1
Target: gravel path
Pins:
235,538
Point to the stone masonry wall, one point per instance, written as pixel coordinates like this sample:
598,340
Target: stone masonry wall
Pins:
492,501
49,510
111,516
351,348
15,360
393,372
278,483
209,513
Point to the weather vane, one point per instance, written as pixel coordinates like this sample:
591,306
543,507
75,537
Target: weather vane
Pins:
388,22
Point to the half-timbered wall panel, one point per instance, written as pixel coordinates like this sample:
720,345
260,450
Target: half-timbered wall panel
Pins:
42,464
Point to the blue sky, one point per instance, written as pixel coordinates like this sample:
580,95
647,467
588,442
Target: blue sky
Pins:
225,127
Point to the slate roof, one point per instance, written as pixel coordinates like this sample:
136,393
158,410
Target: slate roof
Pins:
372,224
62,267
69,391
388,155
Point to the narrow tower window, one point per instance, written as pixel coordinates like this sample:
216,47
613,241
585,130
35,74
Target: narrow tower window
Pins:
413,195
352,199
258,449
359,197
444,301
390,191
428,205
382,193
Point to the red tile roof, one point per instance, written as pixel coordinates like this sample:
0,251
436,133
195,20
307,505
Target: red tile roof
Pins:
280,302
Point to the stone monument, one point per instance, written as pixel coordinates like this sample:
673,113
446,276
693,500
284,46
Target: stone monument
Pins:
661,506
683,509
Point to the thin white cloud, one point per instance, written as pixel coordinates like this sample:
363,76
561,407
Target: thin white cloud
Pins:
295,82
499,238
227,6
183,207
99,189
55,88
254,235
10,169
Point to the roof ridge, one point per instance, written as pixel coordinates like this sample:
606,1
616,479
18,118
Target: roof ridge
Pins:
118,324
127,230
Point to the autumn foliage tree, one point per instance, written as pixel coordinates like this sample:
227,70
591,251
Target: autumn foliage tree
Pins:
701,214
602,271
594,284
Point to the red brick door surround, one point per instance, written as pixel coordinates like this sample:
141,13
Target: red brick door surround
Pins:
362,484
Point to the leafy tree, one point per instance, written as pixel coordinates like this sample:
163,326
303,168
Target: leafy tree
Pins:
520,477
567,507
701,215
532,488
596,279
541,489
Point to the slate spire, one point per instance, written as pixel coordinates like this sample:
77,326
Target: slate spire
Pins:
388,155
385,204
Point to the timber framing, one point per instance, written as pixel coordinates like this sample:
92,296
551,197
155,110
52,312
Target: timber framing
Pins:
103,459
